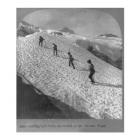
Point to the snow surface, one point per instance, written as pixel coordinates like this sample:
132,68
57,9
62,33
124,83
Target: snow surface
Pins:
55,78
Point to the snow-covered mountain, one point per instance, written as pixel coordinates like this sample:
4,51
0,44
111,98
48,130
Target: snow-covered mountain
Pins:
110,44
25,28
67,30
70,36
53,76
107,48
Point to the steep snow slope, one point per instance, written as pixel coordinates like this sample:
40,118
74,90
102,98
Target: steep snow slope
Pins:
55,78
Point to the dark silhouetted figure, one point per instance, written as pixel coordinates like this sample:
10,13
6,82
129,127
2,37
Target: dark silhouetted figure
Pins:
41,39
92,71
71,59
54,49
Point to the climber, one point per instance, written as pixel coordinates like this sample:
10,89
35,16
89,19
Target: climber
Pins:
54,49
41,39
71,59
92,71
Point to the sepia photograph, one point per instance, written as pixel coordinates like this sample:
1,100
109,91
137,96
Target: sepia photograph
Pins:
70,69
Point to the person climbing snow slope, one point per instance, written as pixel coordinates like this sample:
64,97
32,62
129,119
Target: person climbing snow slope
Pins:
92,71
71,59
41,39
54,49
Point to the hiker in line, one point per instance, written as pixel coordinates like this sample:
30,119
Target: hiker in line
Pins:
41,39
54,49
71,59
92,71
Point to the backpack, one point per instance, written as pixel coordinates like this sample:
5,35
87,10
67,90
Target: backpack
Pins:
92,70
71,58
41,38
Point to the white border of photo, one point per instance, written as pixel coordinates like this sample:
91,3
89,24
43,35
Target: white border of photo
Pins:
8,68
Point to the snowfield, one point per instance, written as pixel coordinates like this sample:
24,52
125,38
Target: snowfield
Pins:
55,78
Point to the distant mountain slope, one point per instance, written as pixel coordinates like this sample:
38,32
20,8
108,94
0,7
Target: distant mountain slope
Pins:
25,28
55,78
108,35
107,49
67,30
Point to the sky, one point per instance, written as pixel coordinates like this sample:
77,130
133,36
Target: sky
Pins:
85,22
